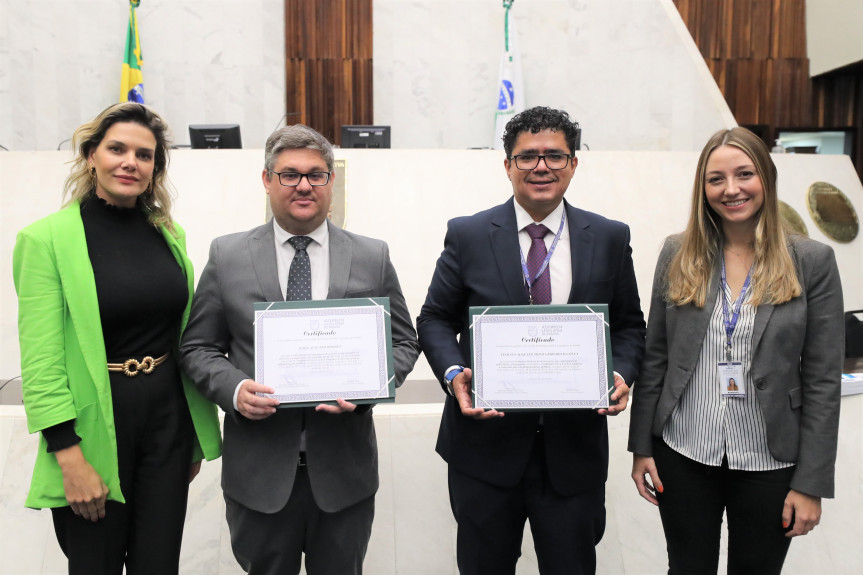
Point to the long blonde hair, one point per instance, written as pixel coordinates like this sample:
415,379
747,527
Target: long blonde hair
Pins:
157,200
774,277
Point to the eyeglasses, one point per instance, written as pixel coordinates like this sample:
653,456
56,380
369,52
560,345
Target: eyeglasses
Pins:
293,179
531,161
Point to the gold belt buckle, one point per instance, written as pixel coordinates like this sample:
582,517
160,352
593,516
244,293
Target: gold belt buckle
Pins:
131,367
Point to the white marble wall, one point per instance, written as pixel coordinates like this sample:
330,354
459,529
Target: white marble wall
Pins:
833,36
414,533
205,61
627,70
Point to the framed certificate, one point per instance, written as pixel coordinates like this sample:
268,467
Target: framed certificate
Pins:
541,357
313,352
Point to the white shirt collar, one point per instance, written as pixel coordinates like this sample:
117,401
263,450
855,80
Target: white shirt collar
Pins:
319,235
552,221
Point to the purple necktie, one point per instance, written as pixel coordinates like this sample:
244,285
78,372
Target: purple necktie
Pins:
541,288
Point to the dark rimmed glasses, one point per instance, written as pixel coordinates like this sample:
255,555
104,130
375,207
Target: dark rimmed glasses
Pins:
293,179
531,161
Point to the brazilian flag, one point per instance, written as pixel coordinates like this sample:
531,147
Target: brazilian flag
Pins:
132,80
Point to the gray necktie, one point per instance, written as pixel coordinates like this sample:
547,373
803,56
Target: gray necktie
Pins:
300,274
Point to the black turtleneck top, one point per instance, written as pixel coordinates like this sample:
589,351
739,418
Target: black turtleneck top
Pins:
141,288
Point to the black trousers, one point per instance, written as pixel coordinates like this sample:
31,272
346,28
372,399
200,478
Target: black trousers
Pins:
274,543
691,505
154,449
491,522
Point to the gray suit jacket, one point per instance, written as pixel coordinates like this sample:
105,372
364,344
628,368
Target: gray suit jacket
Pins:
796,364
260,457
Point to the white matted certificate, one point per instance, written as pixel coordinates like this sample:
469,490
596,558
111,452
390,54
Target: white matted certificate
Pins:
541,357
313,352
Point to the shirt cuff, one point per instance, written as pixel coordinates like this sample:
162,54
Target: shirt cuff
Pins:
237,392
61,436
447,382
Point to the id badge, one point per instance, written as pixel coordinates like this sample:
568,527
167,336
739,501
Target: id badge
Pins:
731,379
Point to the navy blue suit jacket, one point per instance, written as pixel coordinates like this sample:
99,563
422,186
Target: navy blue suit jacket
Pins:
480,265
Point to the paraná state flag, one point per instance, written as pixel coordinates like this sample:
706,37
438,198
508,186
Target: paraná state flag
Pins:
510,96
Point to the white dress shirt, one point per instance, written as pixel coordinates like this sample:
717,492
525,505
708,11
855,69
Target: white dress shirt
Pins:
560,264
319,258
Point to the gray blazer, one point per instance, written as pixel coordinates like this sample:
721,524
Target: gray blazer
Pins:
796,364
260,457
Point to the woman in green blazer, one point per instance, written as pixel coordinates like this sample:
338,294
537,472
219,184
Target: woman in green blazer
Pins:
104,290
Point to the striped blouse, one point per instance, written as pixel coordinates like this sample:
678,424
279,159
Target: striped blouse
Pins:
705,426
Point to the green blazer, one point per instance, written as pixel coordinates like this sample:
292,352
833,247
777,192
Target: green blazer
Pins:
63,363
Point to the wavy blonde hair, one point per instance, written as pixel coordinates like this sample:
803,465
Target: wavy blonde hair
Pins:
774,277
79,186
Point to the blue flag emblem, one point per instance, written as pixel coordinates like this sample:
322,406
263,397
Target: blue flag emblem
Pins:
136,94
507,95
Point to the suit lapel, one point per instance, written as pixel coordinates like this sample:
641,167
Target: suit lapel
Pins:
340,262
503,244
580,252
693,323
765,310
79,289
177,245
762,316
262,247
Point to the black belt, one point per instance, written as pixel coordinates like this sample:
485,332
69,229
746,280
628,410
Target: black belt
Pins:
301,459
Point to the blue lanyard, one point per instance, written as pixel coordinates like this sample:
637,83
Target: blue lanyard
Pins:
730,324
526,273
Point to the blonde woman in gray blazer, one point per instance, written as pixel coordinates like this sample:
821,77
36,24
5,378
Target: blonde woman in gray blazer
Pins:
735,297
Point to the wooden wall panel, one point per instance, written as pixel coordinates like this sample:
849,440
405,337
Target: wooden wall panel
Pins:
328,64
744,79
837,102
756,51
761,41
738,23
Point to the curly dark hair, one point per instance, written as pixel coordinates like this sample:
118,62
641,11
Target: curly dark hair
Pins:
537,119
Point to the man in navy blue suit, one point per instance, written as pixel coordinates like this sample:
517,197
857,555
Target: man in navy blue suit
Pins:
548,467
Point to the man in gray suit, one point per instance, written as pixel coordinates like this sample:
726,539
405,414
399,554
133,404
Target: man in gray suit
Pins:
298,480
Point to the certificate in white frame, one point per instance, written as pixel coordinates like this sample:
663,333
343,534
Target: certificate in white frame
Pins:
316,351
541,357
